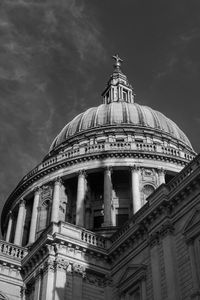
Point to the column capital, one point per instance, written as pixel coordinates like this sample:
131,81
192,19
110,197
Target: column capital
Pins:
134,168
58,180
108,169
37,189
82,173
22,202
10,214
161,171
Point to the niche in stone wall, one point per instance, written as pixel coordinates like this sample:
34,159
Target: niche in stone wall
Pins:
44,209
147,190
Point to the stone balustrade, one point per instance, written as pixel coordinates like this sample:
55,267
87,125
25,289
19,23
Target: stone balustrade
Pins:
12,251
112,146
93,239
73,232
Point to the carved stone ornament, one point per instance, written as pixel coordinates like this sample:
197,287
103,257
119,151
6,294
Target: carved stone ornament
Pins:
37,190
61,264
46,193
78,270
134,168
166,229
95,279
49,265
58,180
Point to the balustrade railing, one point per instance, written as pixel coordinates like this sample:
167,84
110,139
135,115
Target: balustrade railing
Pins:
12,250
146,147
93,239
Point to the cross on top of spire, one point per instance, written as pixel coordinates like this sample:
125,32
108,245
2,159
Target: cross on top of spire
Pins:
118,61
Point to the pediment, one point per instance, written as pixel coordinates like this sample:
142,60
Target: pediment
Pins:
133,271
193,223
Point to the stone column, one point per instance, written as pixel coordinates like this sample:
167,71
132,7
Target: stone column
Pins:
47,289
77,287
10,222
195,295
34,216
161,174
136,199
155,266
61,266
20,223
107,197
80,205
56,200
170,262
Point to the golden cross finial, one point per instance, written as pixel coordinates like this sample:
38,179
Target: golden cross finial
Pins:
118,61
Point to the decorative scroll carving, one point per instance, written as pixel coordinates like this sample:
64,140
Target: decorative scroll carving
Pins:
49,265
78,270
61,264
58,180
46,193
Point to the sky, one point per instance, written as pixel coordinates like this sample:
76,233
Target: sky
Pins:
56,58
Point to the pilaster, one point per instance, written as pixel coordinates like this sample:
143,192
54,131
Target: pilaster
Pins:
77,288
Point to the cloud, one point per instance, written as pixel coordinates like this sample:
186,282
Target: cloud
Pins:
47,48
182,56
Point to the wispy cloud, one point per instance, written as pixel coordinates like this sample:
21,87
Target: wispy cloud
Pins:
45,47
182,55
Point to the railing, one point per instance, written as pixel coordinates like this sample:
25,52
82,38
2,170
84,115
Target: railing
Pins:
112,146
146,147
93,239
170,151
94,148
119,146
12,251
76,233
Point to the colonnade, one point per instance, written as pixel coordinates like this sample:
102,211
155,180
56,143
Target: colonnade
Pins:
80,203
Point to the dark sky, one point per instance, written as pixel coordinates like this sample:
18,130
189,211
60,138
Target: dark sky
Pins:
55,59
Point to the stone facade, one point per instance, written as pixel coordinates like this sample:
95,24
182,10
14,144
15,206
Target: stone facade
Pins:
112,212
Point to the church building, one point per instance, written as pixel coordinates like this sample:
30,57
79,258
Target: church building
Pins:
112,211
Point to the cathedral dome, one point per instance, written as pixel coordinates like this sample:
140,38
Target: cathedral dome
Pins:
120,114
101,168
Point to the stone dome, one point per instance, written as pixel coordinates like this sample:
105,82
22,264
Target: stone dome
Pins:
120,114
